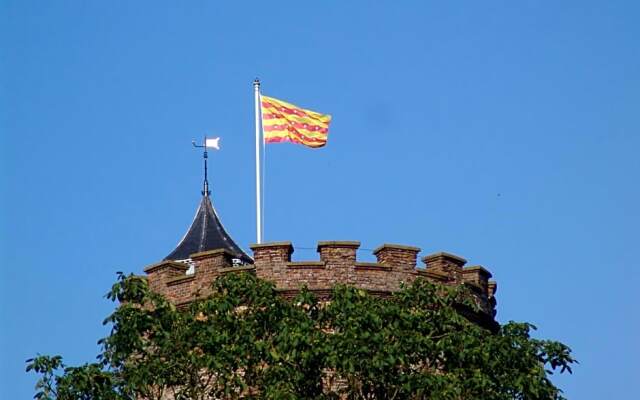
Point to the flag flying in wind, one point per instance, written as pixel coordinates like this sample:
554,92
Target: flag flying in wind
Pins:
284,122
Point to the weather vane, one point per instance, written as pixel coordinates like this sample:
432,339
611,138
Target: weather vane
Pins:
213,143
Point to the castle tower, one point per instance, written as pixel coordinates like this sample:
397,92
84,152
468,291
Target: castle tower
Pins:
207,251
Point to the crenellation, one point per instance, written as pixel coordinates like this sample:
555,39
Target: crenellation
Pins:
447,263
270,260
272,252
477,275
402,261
372,266
306,265
435,276
340,258
159,274
396,254
338,264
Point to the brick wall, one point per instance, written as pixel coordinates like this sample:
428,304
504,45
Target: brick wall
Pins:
337,263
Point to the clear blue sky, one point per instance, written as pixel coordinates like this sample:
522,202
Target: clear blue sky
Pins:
506,132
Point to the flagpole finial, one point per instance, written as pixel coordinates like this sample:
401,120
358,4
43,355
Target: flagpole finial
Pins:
256,82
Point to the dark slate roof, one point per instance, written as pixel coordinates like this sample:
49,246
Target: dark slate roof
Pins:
206,233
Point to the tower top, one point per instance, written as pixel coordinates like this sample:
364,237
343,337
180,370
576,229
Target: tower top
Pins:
206,233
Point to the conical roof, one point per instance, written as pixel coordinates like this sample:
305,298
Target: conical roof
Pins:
206,233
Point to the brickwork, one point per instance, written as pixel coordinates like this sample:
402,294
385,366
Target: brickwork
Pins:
447,264
161,273
337,263
170,278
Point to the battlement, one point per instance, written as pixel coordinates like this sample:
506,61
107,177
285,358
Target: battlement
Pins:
337,264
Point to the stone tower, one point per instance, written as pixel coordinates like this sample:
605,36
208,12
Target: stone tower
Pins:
207,251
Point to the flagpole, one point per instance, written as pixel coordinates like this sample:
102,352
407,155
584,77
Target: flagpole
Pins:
256,90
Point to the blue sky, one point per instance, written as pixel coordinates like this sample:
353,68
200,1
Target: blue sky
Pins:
505,132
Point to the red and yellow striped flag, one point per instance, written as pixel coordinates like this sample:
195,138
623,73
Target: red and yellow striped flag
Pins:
284,122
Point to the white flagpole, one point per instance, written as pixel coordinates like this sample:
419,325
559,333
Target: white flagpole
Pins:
256,90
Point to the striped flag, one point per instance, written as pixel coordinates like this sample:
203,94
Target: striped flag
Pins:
284,122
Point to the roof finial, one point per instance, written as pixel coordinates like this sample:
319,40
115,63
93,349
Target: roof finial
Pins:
206,143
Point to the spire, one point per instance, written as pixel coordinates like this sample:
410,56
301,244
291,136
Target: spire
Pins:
205,188
205,156
206,231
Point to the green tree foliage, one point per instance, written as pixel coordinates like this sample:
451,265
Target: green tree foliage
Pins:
246,341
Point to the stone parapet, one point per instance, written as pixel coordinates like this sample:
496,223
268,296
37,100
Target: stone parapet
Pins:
272,259
446,263
337,264
159,274
171,279
477,275
396,254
